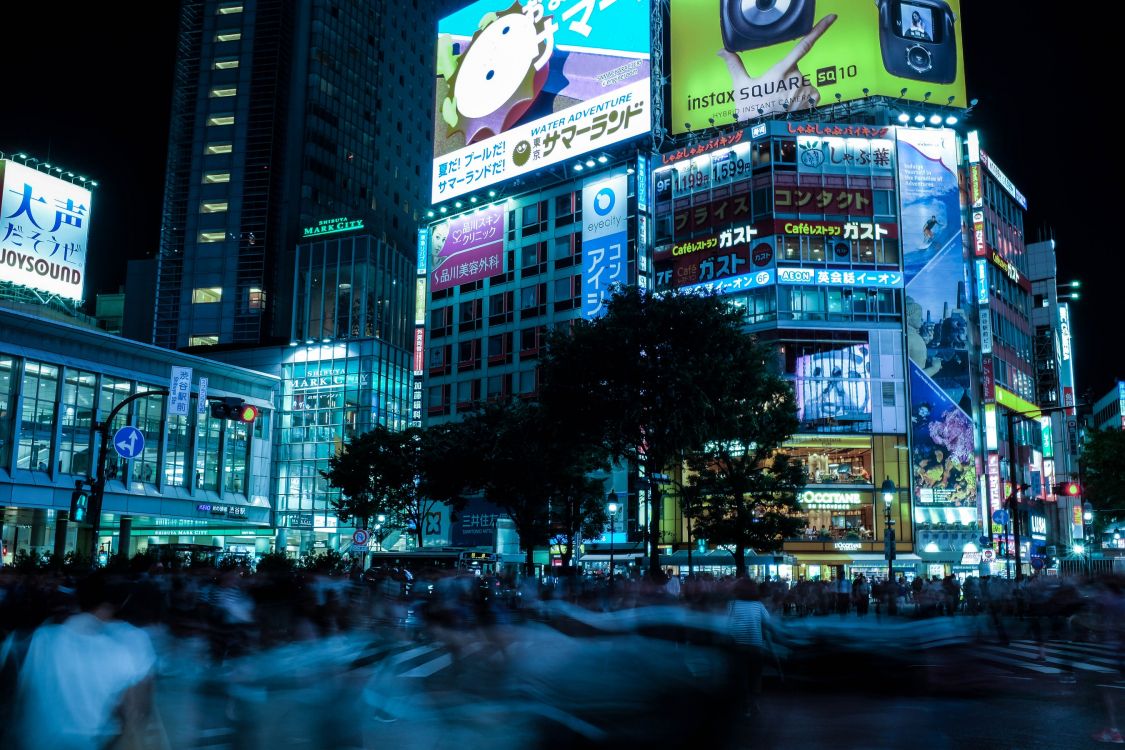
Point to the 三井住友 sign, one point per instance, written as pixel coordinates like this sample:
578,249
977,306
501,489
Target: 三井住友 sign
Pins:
331,226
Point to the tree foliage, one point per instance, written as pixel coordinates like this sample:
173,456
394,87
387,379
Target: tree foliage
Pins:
528,466
1103,458
399,474
657,378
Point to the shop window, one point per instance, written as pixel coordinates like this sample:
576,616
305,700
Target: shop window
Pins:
7,409
39,396
77,422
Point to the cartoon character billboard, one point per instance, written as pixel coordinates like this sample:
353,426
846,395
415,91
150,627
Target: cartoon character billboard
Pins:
732,58
527,84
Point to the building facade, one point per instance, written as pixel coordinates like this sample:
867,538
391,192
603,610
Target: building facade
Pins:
198,480
285,116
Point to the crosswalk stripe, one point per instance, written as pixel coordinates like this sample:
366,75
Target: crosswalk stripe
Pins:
1079,660
435,665
1004,658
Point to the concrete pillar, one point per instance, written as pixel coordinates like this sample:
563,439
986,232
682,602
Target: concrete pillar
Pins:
61,519
125,537
39,528
282,540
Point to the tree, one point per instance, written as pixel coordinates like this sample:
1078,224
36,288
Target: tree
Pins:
578,510
526,465
1103,458
389,472
748,485
651,381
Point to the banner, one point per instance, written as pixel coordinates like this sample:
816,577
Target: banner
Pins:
605,236
937,328
525,84
734,61
467,248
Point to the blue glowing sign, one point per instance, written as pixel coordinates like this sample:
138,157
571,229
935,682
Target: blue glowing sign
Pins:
827,277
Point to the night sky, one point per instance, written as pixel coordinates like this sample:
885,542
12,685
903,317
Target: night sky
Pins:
95,100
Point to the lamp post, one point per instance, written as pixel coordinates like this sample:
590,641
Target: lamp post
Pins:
379,520
612,508
888,490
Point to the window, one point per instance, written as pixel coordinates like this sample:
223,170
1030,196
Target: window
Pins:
218,148
212,236
39,393
77,418
438,399
7,408
468,355
221,92
149,413
175,461
567,291
229,8
207,294
114,391
211,178
213,207
471,315
468,392
220,120
439,359
531,297
499,347
228,36
205,340
529,382
256,299
207,432
500,308
530,340
532,255
499,386
441,321
236,448
225,63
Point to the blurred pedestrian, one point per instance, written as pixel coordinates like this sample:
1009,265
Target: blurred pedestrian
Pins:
748,624
86,684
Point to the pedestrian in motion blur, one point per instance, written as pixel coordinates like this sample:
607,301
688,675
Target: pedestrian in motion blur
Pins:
748,623
86,683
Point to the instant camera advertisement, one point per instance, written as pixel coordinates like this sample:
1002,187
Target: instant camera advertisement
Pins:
526,84
733,60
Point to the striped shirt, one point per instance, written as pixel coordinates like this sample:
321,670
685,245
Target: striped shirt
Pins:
746,621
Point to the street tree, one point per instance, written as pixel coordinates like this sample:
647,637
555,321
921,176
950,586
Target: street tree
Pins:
651,381
528,467
578,510
391,473
1103,459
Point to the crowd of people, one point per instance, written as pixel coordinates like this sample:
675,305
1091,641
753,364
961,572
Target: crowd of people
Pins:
94,647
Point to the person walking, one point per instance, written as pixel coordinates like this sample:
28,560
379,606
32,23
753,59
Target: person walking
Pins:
861,594
748,625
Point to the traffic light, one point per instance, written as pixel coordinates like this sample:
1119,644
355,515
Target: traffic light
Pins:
234,408
1068,489
79,501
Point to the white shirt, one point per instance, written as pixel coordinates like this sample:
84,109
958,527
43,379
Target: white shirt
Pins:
746,619
74,677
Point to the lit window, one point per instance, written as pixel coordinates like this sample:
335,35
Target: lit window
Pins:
207,294
213,207
228,36
212,236
203,340
218,148
257,299
215,177
226,10
225,63
220,120
223,91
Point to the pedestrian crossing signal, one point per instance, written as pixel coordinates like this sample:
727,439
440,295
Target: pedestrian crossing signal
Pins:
79,502
1068,489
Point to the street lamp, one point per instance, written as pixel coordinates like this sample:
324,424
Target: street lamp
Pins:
379,519
888,490
612,508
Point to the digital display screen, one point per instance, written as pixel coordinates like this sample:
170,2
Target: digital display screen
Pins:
917,22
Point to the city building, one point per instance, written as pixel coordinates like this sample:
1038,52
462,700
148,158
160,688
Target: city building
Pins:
194,479
1055,385
1109,410
287,124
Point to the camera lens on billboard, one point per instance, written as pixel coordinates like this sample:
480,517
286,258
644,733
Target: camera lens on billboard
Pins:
919,58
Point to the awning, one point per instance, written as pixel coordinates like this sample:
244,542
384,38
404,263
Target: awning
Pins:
617,557
869,557
815,558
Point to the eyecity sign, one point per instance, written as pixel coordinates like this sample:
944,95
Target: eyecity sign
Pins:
332,226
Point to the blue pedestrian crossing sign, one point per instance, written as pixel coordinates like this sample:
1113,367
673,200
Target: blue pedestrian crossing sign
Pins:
129,442
1001,517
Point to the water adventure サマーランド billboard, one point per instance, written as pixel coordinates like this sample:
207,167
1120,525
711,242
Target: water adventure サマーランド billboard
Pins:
525,84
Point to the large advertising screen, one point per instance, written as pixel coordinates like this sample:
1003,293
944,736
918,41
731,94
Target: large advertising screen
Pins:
733,61
937,313
834,387
526,84
44,230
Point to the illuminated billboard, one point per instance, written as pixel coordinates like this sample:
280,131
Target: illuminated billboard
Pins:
734,61
44,229
467,248
528,84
